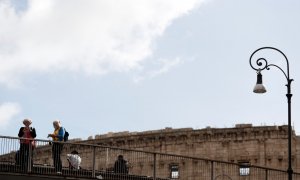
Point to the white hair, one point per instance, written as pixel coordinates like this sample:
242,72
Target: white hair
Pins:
56,122
27,120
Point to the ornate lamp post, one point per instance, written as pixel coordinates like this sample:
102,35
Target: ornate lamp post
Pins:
262,64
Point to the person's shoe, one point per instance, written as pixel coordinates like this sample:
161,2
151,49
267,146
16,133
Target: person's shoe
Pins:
99,177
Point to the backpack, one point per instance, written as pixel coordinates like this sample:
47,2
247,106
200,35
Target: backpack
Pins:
66,136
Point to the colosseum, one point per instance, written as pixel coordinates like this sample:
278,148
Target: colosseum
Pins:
264,146
257,145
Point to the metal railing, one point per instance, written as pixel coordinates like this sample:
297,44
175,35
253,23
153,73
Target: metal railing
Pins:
99,162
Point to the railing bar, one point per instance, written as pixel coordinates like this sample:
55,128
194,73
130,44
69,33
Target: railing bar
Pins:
212,170
154,166
94,162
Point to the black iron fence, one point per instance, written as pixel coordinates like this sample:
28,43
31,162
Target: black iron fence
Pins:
102,162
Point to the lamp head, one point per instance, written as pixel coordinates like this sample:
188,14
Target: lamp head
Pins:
259,87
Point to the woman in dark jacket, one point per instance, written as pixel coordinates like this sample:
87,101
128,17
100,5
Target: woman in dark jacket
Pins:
27,134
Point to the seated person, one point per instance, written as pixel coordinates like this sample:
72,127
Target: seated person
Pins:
121,165
74,160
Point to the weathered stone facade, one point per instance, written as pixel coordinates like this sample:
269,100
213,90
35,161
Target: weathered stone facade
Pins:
259,145
264,146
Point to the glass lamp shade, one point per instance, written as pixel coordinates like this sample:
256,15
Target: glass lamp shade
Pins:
259,87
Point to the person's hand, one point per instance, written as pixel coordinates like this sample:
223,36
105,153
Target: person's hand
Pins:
50,135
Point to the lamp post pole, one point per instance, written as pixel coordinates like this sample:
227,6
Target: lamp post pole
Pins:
262,64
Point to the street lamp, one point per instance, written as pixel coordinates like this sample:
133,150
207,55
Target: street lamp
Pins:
262,63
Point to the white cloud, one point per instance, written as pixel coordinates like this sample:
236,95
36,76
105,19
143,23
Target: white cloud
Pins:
94,37
7,112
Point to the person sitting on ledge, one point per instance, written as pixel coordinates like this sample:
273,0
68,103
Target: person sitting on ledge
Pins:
121,165
74,160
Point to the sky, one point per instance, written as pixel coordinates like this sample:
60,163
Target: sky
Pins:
139,65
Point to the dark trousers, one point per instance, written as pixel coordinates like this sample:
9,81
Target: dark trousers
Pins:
56,151
23,157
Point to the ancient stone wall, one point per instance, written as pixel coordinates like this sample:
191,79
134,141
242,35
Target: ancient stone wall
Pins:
256,145
259,145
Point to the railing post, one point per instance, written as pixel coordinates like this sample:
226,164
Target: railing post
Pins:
154,166
94,162
266,174
212,170
29,164
106,160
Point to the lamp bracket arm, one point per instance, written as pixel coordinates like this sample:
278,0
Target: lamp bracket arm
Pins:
263,63
286,76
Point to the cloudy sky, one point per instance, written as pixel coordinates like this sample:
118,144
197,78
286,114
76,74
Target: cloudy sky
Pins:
138,65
